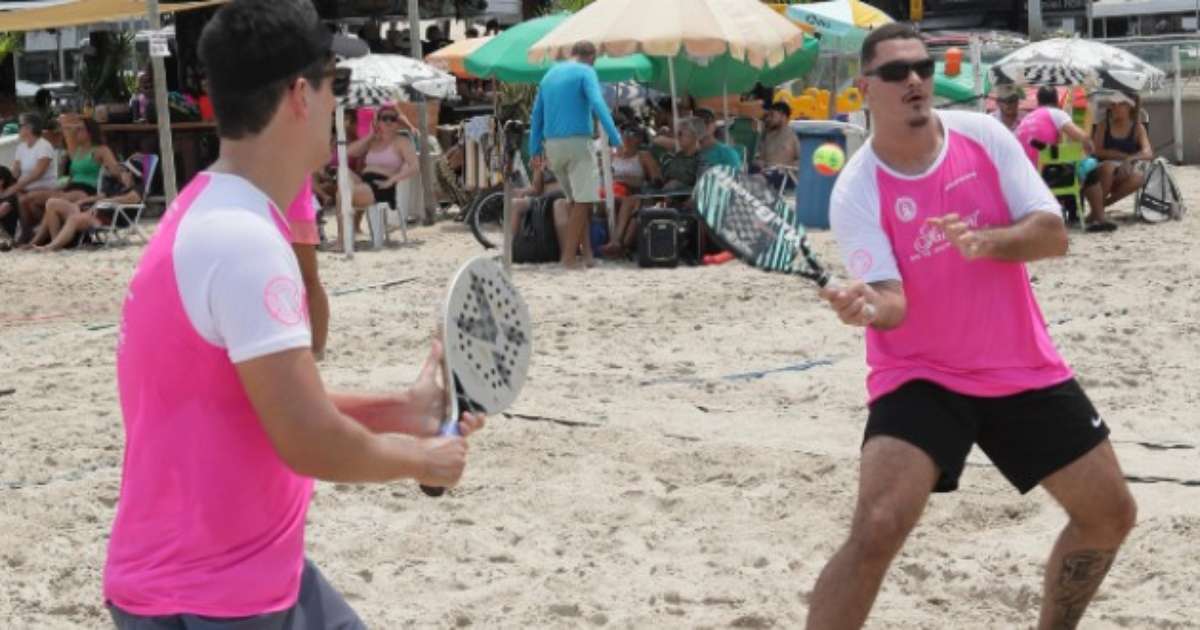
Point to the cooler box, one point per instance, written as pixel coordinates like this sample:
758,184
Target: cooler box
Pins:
812,188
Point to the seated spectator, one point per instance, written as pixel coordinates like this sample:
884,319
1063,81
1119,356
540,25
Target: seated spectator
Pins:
1008,108
1121,141
68,220
1046,125
633,170
88,155
388,154
31,171
778,146
544,188
681,169
472,33
713,153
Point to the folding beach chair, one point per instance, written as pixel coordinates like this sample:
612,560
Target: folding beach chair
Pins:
123,219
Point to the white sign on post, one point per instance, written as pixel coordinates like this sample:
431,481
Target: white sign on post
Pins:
158,45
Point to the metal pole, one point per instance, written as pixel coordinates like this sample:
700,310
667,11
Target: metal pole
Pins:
426,173
345,213
977,73
1178,105
1035,20
1088,13
166,146
607,177
62,66
674,106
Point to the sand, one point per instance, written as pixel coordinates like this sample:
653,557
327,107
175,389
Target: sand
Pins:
650,481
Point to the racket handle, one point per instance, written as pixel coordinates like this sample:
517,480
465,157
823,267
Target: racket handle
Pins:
449,429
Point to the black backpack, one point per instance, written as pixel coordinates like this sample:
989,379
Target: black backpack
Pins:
536,240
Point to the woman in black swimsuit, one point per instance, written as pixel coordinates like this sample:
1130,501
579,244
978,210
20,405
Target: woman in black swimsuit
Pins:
1121,140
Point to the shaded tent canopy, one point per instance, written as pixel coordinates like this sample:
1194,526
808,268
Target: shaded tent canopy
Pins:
82,12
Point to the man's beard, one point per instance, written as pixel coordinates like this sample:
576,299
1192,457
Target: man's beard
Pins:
918,121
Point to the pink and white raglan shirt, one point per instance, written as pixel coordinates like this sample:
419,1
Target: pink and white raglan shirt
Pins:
973,327
1042,124
210,520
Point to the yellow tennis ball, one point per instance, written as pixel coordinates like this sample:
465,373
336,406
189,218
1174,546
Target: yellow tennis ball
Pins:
828,159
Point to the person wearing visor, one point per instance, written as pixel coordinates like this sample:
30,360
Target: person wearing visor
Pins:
1008,108
227,421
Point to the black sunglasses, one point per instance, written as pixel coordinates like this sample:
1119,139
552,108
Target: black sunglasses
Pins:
389,118
896,71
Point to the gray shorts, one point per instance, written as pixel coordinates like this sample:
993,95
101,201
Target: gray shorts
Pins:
319,607
574,165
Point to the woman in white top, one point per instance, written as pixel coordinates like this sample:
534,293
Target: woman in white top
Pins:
32,170
633,169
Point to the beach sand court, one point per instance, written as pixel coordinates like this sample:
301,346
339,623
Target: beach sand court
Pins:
684,454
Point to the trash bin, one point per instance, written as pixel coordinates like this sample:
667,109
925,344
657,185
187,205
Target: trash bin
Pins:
812,188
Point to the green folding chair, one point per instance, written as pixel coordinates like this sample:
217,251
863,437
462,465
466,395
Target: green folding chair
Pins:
1058,164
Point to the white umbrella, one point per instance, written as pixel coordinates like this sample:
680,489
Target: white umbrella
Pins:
375,80
27,89
1073,61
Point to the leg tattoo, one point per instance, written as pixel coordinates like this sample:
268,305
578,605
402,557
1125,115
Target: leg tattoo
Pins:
1078,579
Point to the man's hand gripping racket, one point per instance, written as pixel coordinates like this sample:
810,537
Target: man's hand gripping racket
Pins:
747,218
487,338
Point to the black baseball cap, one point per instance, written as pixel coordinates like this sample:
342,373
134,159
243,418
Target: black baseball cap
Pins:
781,107
251,43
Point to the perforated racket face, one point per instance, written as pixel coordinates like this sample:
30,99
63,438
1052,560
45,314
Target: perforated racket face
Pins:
488,336
750,220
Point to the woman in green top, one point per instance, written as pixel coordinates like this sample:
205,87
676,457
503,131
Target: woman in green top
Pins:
87,154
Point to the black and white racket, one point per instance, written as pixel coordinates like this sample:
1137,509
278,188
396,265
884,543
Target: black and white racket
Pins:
487,341
749,219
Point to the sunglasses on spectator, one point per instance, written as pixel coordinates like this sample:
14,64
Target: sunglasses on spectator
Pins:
389,118
896,71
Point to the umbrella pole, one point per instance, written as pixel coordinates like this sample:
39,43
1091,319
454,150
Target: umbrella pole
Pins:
977,73
345,211
833,89
725,105
166,146
606,171
1177,106
674,106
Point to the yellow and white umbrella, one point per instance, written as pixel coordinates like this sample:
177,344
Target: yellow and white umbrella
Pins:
842,24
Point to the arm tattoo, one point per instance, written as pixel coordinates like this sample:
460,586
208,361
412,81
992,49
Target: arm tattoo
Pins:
1078,579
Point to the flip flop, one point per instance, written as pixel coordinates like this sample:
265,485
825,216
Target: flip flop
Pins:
1103,226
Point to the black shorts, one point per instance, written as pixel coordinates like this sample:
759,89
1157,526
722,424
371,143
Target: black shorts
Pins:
382,194
86,189
1027,436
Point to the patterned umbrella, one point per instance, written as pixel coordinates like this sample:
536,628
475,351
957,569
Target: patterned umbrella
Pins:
379,79
1075,61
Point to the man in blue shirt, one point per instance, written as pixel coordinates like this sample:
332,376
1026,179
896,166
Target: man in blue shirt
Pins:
712,152
561,124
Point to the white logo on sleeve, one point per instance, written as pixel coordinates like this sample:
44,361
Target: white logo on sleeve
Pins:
1096,422
906,209
285,301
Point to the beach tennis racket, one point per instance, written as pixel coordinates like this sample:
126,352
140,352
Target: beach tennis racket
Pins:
487,341
751,220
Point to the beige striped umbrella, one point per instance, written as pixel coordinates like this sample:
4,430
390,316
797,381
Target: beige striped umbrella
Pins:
452,58
748,30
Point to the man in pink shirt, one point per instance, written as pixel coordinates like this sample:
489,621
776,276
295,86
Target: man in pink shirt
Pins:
935,218
226,419
302,221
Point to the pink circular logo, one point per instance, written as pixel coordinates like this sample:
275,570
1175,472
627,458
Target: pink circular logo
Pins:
284,301
860,263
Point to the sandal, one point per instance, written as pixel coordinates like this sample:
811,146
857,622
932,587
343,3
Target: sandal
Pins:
1102,226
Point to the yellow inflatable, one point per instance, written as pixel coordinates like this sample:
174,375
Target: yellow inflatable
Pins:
813,103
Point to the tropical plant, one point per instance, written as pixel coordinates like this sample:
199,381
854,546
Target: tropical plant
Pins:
10,42
101,78
570,6
516,101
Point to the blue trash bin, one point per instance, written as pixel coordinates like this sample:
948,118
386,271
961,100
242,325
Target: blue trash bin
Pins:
812,188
